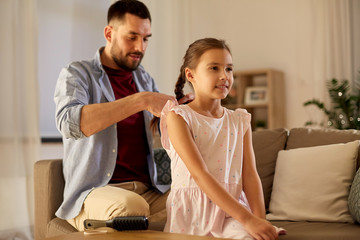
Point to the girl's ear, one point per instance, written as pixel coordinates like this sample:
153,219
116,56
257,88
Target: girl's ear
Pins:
189,74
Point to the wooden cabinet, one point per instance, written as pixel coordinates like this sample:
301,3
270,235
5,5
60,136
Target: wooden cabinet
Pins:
261,93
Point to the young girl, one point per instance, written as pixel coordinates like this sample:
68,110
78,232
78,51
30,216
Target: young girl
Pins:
215,189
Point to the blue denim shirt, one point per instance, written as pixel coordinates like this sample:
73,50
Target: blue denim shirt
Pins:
89,162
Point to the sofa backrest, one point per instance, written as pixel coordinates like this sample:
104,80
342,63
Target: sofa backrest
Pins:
267,144
308,137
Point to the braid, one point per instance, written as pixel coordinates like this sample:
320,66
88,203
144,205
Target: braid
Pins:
179,86
179,93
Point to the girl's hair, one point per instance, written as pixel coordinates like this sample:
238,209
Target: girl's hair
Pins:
191,60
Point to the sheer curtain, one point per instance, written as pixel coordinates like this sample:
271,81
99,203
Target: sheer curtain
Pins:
332,42
19,133
331,36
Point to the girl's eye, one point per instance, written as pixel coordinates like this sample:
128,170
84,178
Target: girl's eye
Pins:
214,68
229,69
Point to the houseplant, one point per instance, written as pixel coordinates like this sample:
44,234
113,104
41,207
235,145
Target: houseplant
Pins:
344,112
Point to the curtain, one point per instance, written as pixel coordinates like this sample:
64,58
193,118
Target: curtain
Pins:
331,36
355,43
19,131
332,41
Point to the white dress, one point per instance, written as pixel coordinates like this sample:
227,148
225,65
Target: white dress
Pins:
220,142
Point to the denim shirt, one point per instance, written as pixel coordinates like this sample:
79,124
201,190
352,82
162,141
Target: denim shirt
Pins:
89,162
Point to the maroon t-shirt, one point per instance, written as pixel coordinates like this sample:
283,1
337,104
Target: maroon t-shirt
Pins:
131,162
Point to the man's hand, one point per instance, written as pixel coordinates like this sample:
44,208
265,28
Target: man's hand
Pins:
155,102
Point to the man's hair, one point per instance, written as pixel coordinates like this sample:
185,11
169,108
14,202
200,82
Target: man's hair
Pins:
118,10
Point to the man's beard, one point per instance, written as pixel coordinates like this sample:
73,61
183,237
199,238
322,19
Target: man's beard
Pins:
127,65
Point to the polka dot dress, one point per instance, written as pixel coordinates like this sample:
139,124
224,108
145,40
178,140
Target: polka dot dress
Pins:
220,142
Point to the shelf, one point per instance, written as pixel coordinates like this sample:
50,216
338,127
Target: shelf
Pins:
270,108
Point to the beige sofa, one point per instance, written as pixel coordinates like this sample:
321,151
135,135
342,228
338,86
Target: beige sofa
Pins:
49,184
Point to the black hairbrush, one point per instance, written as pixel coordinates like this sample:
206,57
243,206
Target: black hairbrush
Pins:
119,223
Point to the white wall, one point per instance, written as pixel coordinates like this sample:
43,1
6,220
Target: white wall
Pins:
276,34
69,30
262,34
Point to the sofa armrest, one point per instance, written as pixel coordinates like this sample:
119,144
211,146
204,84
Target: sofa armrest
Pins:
48,186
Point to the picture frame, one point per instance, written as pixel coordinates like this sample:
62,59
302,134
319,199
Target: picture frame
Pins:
256,95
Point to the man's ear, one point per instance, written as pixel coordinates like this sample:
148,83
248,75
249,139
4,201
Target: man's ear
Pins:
108,33
189,74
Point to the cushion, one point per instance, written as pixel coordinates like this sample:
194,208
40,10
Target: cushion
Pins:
163,169
267,144
354,198
313,184
318,230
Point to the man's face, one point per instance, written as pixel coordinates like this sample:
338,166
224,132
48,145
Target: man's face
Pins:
130,38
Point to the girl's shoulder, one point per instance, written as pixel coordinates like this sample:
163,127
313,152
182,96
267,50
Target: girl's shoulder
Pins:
238,112
172,106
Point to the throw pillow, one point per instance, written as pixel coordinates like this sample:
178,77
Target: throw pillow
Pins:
354,198
313,184
162,162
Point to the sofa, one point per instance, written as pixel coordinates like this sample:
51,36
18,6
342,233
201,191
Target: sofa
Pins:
276,152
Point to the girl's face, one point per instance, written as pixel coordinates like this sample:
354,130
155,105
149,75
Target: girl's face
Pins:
213,76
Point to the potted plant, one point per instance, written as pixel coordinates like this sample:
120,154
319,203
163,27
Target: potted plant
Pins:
345,108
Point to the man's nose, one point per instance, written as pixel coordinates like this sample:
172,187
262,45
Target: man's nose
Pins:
140,45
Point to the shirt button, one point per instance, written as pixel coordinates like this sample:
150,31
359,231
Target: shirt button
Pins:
108,174
114,150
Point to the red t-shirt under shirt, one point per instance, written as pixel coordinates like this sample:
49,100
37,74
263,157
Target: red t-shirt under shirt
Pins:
131,162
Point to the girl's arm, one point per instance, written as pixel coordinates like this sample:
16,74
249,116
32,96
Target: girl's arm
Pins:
251,180
185,146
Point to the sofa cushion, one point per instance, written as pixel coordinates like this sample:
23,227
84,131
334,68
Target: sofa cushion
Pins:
318,230
266,145
308,137
354,198
313,183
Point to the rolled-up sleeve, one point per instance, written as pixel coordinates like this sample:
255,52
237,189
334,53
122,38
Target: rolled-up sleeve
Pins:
71,94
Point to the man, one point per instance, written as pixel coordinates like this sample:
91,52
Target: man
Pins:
108,162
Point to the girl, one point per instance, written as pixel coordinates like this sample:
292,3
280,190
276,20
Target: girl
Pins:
212,159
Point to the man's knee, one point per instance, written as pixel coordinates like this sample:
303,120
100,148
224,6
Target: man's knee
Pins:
109,202
130,205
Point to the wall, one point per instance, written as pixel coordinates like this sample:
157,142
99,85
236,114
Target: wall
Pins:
262,34
68,30
280,34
